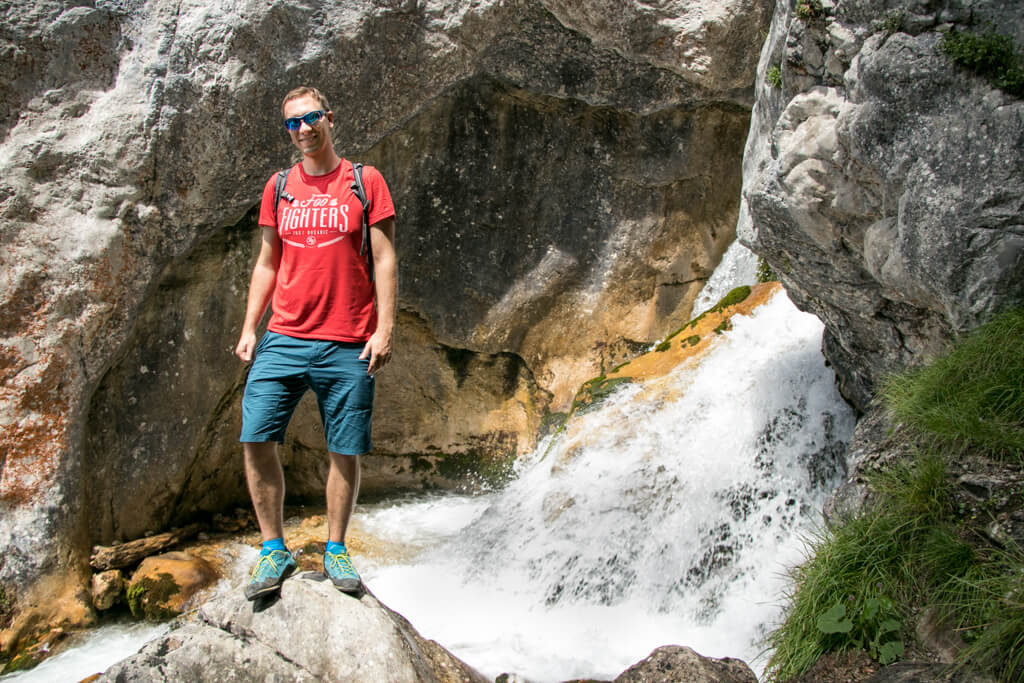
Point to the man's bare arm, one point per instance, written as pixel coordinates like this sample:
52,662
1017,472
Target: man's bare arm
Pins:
261,287
385,271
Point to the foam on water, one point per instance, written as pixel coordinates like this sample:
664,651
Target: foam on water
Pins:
92,653
663,516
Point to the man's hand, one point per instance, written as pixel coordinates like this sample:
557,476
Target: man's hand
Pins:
378,350
246,346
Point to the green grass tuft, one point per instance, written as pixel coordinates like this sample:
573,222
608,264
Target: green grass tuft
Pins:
773,76
973,396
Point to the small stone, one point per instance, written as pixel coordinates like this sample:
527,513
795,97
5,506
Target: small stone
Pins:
106,588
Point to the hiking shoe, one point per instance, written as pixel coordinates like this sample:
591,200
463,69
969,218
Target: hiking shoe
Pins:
338,568
269,573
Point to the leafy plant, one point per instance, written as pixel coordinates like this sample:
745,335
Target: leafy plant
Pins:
873,628
773,76
990,55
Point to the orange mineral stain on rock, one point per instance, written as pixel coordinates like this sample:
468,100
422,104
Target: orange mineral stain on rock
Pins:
36,440
694,339
55,604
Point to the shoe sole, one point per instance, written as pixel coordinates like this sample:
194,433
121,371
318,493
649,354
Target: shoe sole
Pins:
252,595
349,586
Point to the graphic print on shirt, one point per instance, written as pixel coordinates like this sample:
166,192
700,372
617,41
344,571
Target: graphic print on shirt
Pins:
318,221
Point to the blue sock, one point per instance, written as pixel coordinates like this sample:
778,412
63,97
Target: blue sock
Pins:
335,548
272,544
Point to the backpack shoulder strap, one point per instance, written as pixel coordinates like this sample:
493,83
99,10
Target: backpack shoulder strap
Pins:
279,182
360,191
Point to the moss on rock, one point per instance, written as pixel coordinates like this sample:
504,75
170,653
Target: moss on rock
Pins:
147,598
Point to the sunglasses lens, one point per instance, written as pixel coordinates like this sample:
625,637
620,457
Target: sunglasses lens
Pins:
310,118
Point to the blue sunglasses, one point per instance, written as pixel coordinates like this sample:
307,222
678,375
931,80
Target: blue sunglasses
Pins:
295,122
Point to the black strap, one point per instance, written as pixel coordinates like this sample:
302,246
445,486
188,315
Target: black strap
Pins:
279,183
357,187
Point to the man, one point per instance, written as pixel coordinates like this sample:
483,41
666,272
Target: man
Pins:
330,331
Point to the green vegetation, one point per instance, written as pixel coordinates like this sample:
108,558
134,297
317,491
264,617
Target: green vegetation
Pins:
146,597
595,391
773,76
974,396
551,422
487,470
723,326
809,9
734,297
6,609
765,272
990,55
692,340
663,346
915,548
893,22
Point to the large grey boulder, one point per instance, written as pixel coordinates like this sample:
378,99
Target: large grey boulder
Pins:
566,174
883,182
310,633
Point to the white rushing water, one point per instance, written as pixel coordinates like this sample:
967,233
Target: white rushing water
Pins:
663,516
91,653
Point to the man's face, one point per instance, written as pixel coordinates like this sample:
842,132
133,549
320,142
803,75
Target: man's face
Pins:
309,139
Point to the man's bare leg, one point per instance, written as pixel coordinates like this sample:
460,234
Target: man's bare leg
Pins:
342,491
265,478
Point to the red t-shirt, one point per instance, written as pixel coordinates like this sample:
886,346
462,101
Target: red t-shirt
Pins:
323,288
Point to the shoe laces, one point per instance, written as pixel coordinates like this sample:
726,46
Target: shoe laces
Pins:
343,561
262,569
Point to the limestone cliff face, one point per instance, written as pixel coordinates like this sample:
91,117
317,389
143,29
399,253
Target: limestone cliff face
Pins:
567,174
883,182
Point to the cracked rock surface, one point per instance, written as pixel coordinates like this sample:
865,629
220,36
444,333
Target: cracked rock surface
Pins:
883,182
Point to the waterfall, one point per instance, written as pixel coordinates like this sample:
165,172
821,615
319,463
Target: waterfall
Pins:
666,515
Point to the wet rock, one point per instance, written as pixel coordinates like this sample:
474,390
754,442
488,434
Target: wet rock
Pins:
107,588
163,585
673,663
56,605
311,632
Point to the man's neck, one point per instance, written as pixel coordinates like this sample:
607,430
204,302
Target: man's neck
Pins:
321,163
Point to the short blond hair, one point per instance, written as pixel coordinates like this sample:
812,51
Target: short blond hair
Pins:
303,91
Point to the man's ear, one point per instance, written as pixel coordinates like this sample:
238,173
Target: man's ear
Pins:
330,117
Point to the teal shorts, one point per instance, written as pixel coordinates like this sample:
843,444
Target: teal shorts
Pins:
285,367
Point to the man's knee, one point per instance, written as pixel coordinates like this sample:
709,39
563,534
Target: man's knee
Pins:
258,452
